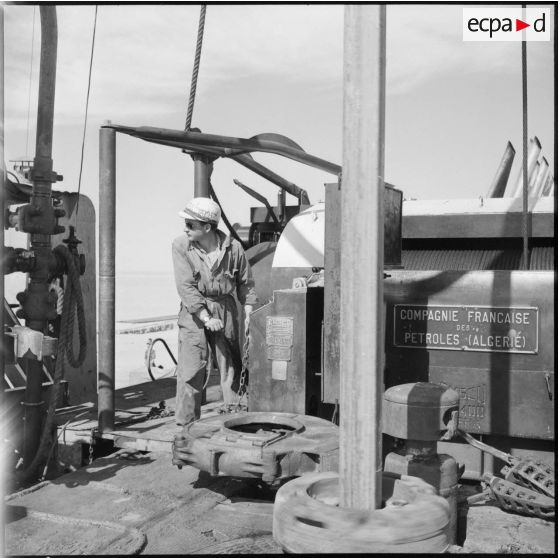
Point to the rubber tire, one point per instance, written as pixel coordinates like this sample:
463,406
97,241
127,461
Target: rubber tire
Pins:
303,524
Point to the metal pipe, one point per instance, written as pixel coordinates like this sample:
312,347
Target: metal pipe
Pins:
533,177
233,146
258,197
107,250
40,244
2,215
202,174
362,257
540,180
548,189
498,186
515,189
281,205
247,161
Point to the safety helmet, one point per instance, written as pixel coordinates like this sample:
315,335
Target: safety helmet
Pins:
202,209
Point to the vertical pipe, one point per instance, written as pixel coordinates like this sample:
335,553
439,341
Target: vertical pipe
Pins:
500,181
362,256
202,173
281,202
537,185
107,244
3,458
37,288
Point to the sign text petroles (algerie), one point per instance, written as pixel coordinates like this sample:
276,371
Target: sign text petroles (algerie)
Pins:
471,328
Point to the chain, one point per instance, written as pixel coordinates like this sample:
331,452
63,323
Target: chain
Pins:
91,442
245,356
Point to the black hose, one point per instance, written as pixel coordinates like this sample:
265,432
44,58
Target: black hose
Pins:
234,234
73,300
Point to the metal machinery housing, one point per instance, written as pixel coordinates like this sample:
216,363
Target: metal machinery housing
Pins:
460,312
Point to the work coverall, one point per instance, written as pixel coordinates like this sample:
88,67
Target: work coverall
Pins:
200,285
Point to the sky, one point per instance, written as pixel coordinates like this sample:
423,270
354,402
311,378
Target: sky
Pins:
451,106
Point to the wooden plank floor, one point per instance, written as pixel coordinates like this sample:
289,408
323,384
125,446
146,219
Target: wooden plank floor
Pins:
132,405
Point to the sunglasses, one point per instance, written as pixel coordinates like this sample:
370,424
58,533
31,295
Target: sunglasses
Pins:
190,225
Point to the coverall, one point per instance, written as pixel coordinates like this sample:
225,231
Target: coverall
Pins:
201,284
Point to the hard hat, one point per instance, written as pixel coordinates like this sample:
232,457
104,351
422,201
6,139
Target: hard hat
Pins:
202,209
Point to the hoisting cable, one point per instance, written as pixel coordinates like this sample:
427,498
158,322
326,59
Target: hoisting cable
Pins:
195,69
525,173
233,232
30,79
73,302
86,112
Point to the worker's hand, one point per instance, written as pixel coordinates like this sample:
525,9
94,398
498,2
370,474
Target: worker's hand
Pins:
214,324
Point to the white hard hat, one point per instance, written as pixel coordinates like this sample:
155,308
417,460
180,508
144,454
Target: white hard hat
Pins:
202,209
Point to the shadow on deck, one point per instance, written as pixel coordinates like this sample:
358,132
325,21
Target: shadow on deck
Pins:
142,419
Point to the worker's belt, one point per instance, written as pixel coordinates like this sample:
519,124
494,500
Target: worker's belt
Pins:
218,298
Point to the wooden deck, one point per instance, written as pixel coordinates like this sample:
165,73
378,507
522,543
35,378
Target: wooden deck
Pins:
134,429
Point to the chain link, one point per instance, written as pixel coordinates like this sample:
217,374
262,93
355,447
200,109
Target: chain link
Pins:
245,356
91,442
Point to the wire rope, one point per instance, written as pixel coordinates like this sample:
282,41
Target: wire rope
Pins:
525,170
195,69
86,111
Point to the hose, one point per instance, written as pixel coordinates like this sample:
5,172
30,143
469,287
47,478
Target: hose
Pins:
73,300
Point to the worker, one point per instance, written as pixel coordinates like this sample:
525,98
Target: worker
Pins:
209,268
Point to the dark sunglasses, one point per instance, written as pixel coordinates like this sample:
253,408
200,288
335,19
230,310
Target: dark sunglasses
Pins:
190,225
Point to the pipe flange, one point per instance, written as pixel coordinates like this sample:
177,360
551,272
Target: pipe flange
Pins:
307,518
265,445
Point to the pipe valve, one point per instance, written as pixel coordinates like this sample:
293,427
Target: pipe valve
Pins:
38,220
18,259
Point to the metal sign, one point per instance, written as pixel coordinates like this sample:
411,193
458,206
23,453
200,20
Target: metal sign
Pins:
467,328
279,333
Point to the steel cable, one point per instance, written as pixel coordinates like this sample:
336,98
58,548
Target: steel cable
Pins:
525,175
195,69
86,110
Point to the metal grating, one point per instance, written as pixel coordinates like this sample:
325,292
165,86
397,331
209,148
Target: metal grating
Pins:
542,258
